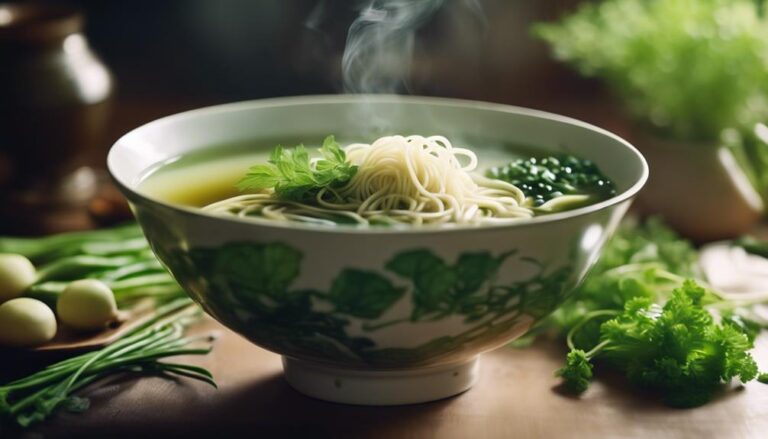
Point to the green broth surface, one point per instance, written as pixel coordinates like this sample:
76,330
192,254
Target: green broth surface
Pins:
209,175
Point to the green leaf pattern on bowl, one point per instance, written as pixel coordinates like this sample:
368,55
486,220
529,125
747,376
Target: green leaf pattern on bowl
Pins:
251,283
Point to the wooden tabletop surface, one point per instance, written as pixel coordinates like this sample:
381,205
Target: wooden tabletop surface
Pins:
517,396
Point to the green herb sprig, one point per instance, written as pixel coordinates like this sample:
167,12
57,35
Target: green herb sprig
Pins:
640,312
677,350
295,177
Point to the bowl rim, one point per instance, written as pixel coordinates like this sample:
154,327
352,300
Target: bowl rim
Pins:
131,194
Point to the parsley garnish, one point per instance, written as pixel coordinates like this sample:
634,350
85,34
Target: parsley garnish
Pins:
677,350
294,177
642,313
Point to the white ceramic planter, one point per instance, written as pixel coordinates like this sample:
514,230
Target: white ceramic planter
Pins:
699,189
375,316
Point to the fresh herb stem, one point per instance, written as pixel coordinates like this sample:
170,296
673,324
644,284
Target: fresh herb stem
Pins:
586,319
37,396
122,259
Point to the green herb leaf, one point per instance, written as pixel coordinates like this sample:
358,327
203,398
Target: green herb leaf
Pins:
742,324
294,177
260,177
577,372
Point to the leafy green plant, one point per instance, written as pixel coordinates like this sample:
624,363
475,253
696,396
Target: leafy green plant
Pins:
295,177
689,68
121,259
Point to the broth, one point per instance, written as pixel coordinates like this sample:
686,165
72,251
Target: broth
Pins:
210,174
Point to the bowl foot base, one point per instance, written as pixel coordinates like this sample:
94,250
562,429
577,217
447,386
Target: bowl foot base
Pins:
387,387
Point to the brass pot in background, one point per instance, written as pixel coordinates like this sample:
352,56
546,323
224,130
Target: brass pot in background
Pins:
54,97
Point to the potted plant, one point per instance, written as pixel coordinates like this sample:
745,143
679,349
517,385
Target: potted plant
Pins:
693,76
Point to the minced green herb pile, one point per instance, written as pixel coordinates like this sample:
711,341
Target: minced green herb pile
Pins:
549,177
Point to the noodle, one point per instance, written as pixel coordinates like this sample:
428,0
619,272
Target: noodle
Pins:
410,180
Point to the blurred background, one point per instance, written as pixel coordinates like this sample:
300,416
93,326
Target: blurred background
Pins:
75,75
219,51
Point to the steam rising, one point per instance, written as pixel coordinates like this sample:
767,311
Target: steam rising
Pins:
380,42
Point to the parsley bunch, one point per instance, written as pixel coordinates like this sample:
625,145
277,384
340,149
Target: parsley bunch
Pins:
642,312
295,177
676,349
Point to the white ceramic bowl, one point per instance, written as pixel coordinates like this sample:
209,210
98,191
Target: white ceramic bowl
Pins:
375,316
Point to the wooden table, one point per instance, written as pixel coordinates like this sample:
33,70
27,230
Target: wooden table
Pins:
517,396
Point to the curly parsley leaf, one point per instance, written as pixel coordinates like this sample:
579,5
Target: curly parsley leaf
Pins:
577,372
678,350
295,177
640,313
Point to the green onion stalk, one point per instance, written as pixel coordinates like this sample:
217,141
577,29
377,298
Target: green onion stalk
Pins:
36,397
